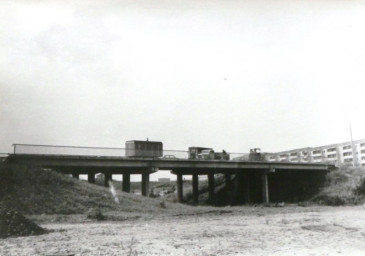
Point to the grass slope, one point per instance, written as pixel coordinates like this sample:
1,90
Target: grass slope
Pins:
32,190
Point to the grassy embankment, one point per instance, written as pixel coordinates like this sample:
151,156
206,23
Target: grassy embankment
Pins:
32,190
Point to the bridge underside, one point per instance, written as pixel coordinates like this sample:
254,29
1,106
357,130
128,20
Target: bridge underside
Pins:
251,186
244,181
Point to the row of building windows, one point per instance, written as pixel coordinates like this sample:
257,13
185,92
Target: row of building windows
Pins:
319,154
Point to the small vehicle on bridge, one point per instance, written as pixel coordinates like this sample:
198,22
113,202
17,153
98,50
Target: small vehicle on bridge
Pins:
256,155
207,154
169,157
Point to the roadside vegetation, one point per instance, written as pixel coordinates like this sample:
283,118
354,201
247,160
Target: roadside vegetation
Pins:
344,186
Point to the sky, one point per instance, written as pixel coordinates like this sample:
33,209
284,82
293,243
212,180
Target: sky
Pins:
230,75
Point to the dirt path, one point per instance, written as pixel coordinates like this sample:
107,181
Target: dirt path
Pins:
335,231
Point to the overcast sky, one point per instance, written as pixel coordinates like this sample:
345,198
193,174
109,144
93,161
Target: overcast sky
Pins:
230,75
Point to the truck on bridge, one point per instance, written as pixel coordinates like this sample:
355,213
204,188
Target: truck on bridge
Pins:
207,154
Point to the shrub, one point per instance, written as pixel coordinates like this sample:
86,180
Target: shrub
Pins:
330,200
95,214
360,189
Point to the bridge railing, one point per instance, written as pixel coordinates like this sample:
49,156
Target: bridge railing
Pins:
67,150
101,151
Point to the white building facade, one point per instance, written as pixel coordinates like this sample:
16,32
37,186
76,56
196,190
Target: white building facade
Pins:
346,153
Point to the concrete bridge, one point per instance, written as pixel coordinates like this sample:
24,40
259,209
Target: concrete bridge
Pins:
254,181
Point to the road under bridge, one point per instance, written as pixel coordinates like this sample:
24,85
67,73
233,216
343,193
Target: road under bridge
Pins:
254,181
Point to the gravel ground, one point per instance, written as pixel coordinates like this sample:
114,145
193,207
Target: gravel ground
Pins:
333,231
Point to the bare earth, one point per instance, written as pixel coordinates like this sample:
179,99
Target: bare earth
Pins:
315,231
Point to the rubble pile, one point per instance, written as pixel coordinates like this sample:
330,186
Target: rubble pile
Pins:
12,223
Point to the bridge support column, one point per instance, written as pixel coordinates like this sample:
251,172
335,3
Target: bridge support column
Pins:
211,188
179,186
75,175
228,181
91,178
265,188
195,189
126,182
107,178
236,188
246,186
145,184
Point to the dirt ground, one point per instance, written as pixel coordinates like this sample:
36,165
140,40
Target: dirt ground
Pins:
302,231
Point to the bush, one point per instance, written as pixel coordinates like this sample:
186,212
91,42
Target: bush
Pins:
330,200
13,224
95,214
360,189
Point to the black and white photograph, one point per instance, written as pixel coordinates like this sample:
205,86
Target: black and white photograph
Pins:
182,127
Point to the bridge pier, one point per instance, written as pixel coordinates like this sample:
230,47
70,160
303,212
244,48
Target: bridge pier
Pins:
211,188
145,184
75,175
126,182
246,188
179,186
91,178
228,181
236,194
107,178
265,188
195,189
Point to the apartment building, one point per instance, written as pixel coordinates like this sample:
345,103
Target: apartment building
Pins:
346,153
